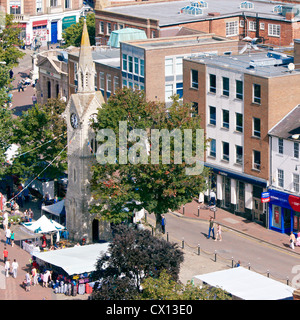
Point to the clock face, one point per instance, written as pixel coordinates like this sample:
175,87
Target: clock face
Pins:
74,121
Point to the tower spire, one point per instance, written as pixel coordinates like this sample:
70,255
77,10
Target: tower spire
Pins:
86,67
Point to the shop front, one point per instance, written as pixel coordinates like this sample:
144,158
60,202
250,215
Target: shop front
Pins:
284,212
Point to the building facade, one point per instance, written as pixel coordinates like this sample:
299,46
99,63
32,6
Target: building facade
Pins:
240,98
272,23
284,190
43,19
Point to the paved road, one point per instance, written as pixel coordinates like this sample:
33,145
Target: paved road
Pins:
262,256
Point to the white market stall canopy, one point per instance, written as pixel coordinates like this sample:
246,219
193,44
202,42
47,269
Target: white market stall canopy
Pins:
247,285
75,260
56,208
43,225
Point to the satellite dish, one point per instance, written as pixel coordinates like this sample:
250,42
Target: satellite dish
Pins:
291,67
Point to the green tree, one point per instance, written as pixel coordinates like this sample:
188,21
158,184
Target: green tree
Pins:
165,288
154,187
72,35
10,42
132,256
40,133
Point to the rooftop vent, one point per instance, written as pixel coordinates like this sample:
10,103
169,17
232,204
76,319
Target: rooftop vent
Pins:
247,5
214,14
277,9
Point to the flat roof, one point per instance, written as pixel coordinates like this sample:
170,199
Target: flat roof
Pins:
168,13
241,63
181,42
106,55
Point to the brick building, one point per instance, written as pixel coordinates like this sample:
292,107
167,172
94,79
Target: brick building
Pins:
45,18
272,23
240,98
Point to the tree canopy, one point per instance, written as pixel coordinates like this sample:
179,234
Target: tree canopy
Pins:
138,182
133,256
72,35
40,133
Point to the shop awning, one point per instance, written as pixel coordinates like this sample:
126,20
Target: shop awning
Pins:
43,225
39,23
248,285
75,260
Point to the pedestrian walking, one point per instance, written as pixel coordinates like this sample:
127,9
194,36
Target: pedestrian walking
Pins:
8,235
27,282
211,228
12,238
34,275
163,223
20,86
15,267
292,240
5,254
7,268
34,100
219,233
46,277
212,198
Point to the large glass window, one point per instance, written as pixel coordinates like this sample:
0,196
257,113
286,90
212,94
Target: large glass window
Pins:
109,84
102,81
296,182
280,176
225,151
53,3
256,93
213,149
256,127
142,67
256,160
239,89
130,64
225,123
225,86
280,145
296,150
232,28
239,154
124,62
15,7
212,83
169,67
274,30
136,65
212,116
168,91
178,65
194,79
239,122
39,6
68,4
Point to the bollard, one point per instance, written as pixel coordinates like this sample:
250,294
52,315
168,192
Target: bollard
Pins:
249,266
167,236
182,243
198,249
232,262
198,211
268,273
215,256
287,281
183,209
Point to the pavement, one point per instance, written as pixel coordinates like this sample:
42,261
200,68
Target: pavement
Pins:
237,223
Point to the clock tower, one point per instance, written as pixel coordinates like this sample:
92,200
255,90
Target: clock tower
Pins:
81,108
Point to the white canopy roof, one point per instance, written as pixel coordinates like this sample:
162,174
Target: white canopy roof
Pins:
55,208
75,260
247,285
43,225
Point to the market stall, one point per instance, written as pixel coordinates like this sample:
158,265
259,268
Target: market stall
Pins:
245,284
41,227
72,266
55,211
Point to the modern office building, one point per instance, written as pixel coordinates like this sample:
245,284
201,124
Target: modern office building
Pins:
240,98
